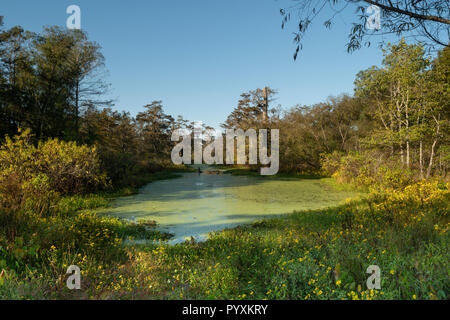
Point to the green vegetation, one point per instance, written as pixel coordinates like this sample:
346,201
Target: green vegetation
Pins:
64,152
320,254
317,254
35,248
398,118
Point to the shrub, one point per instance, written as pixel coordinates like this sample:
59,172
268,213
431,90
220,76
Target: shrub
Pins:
366,169
71,169
31,177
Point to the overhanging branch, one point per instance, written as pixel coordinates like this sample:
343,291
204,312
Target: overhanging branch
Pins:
409,13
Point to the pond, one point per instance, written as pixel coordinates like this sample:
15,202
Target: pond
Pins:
196,204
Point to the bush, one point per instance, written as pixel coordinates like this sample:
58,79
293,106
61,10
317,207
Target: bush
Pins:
71,169
366,169
32,177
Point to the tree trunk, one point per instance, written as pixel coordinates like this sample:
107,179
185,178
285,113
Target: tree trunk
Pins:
407,134
77,109
421,158
430,164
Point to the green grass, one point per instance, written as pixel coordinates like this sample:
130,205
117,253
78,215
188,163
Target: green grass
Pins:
305,256
36,249
316,254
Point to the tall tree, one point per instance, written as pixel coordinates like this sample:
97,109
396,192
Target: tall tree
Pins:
87,66
16,75
409,101
46,79
155,129
252,109
437,111
115,135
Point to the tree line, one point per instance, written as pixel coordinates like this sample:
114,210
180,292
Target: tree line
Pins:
398,117
53,83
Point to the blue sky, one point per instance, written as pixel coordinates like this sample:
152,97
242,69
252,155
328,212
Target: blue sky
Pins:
198,56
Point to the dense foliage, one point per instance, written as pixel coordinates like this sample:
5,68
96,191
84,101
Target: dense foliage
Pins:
65,152
399,116
31,177
53,84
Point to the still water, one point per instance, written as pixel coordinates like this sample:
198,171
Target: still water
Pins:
196,204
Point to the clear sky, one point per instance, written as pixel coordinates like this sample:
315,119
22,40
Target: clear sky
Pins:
198,56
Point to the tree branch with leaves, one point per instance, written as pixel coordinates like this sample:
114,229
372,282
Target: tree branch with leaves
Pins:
424,20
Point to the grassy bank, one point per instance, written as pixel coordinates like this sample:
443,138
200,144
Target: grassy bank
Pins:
245,170
103,198
35,249
320,254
